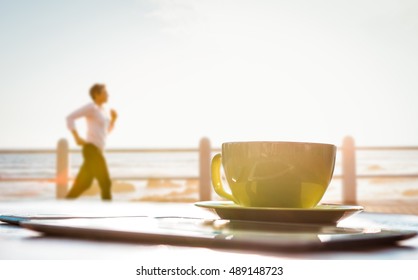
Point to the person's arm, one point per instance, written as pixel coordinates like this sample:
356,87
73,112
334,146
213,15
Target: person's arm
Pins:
82,112
113,117
80,141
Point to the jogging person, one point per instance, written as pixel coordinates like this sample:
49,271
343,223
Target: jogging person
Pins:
100,121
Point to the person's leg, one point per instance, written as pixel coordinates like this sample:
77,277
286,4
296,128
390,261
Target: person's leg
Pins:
101,173
84,177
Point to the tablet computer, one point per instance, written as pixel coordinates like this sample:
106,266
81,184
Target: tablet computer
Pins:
219,233
16,219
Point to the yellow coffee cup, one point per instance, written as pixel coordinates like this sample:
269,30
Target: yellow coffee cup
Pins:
274,174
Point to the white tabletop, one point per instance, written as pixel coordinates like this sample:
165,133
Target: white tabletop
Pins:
17,243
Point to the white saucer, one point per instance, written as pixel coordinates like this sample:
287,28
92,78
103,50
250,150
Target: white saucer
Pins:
321,214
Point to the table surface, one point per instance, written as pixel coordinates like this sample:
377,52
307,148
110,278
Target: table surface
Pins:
17,243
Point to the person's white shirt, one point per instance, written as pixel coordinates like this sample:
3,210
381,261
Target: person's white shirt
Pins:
98,123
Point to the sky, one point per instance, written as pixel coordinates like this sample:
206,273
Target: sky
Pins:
229,70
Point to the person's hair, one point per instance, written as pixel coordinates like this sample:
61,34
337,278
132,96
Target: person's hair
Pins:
96,89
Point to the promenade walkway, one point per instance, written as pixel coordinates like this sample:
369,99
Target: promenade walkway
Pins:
395,206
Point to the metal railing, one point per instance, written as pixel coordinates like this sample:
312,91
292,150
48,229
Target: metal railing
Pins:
348,175
204,151
63,178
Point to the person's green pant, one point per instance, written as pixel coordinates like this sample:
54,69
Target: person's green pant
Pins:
94,167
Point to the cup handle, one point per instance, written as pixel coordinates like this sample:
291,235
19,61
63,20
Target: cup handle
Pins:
216,178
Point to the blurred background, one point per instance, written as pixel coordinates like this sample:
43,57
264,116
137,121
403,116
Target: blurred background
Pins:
230,70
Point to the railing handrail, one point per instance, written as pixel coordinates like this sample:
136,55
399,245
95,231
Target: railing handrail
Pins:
185,150
386,148
113,150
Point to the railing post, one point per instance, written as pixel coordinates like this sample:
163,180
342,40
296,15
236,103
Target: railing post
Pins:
349,171
205,189
62,168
